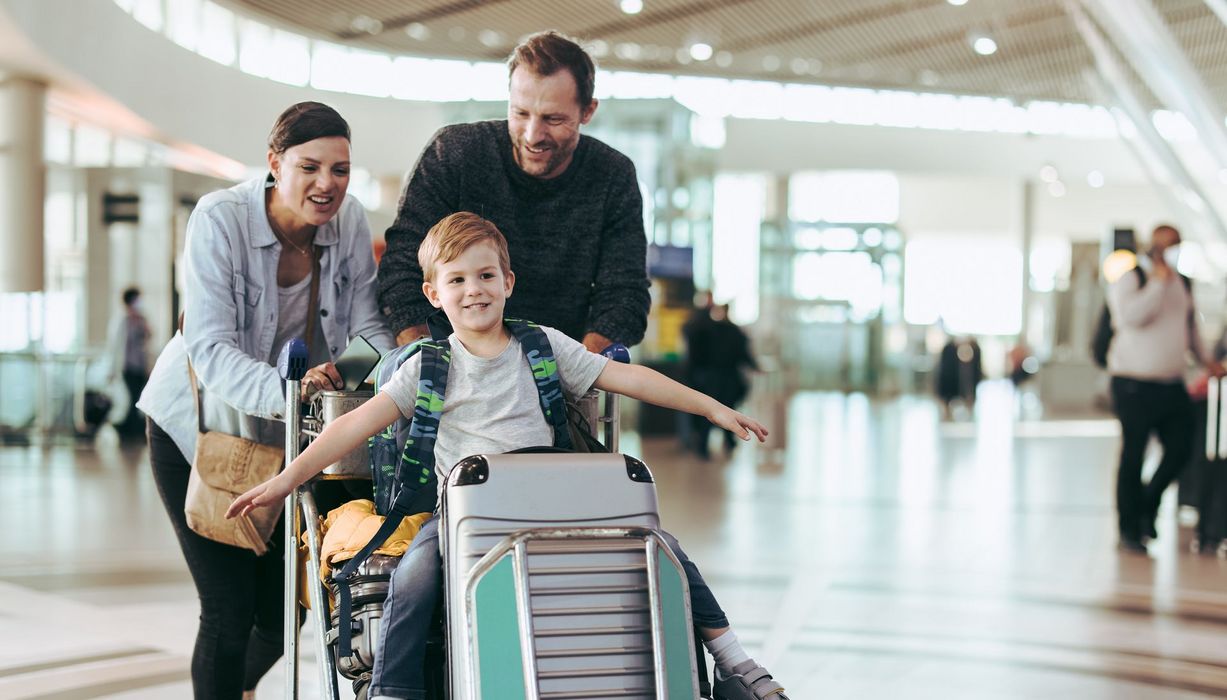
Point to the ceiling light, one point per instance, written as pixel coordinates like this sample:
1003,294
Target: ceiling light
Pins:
724,59
490,38
957,3
700,51
1049,173
771,63
631,7
418,31
1094,178
984,45
365,24
800,66
1056,189
929,78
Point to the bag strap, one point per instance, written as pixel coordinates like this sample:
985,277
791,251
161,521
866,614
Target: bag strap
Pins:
312,304
419,454
544,365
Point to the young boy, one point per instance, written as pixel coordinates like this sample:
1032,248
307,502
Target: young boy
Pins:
492,406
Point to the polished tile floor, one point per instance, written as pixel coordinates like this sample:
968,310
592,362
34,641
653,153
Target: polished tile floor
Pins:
871,551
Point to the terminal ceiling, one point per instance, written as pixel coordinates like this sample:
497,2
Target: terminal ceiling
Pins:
922,45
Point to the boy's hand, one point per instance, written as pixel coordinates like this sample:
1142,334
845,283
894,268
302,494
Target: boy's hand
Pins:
739,424
272,491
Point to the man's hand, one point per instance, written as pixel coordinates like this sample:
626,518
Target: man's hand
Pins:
411,334
272,491
595,342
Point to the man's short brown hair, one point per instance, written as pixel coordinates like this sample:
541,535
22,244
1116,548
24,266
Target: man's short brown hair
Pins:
456,233
546,53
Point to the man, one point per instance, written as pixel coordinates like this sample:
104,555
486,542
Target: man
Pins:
568,205
1155,326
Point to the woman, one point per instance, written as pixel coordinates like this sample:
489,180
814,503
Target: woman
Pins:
247,277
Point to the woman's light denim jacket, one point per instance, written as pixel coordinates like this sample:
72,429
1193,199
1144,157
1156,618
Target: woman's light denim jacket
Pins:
230,306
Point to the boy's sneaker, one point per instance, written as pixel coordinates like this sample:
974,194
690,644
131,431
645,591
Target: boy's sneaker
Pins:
748,682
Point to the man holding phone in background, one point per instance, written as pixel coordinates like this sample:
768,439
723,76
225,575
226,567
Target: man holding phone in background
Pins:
1155,326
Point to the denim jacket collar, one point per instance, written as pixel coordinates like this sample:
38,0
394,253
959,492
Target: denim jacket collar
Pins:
261,232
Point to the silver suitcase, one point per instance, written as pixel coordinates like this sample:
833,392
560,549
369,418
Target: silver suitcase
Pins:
558,582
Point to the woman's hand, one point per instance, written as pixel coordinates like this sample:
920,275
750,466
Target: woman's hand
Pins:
320,378
739,424
272,491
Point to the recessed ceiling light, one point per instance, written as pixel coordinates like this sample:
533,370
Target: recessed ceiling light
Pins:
800,66
984,45
929,78
700,51
957,3
363,23
771,63
683,56
490,38
1049,173
599,48
1094,178
418,31
631,7
627,51
1056,189
724,59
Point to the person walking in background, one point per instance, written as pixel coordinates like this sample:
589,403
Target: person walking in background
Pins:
1154,330
718,357
959,372
129,342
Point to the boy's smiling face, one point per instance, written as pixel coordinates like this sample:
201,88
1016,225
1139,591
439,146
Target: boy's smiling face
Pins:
472,289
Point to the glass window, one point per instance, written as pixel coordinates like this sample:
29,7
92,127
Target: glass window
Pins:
741,201
342,69
972,286
217,39
183,22
148,13
844,196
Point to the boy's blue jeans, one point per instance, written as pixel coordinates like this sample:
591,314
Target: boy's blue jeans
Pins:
414,591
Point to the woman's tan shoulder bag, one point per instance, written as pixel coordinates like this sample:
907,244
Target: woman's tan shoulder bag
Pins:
227,466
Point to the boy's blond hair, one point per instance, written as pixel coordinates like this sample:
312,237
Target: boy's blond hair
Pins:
456,233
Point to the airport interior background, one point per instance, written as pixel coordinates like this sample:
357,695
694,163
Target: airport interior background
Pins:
861,181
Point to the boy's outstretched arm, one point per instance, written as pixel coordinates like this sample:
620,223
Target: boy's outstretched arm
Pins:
639,382
337,440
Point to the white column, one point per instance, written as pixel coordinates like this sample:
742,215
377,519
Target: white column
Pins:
22,184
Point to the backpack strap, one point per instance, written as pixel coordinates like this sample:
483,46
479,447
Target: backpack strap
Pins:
415,469
540,357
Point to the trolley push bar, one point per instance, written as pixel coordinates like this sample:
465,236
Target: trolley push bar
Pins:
292,365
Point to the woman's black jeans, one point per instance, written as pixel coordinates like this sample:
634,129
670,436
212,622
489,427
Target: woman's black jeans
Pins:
241,607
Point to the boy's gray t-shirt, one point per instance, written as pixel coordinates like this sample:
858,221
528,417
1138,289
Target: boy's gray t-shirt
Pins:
491,404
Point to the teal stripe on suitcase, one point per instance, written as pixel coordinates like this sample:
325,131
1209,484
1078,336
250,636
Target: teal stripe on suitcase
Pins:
498,634
679,669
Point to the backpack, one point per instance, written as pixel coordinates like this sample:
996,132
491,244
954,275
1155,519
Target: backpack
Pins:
1102,340
402,455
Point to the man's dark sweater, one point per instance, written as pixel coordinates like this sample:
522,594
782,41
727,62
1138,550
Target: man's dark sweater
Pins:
576,241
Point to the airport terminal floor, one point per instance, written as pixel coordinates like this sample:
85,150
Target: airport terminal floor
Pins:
885,553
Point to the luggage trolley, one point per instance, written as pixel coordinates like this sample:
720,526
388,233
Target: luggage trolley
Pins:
646,608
